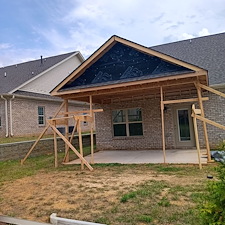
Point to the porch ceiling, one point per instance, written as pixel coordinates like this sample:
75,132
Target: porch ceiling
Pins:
172,86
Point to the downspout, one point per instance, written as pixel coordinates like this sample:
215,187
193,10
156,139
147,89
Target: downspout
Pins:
10,115
6,117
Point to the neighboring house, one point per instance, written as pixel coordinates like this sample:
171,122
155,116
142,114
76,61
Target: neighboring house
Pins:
25,102
147,93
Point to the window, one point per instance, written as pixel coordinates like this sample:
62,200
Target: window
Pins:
41,115
127,122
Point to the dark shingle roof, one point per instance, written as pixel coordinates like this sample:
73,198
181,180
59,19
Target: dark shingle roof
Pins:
15,75
206,52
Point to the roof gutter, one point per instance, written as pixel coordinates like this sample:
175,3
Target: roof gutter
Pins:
6,117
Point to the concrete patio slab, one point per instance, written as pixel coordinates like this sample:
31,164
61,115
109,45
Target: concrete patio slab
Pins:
145,156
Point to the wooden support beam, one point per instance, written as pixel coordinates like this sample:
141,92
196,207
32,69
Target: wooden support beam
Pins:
210,122
66,131
184,100
92,129
71,147
199,92
71,138
83,118
81,112
80,143
211,90
196,137
163,126
41,135
55,148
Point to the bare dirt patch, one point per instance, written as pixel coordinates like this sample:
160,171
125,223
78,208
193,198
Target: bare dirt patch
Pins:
75,194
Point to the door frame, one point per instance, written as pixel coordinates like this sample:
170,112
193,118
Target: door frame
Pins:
178,143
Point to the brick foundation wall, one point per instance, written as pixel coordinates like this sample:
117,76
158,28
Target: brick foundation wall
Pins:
18,150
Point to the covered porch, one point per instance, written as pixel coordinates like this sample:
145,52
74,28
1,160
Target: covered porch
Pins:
175,156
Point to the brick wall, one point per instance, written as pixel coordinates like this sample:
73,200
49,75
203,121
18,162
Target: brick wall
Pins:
151,117
151,139
18,150
25,116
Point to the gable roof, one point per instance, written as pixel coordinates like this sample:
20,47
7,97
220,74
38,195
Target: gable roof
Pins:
97,58
207,52
15,75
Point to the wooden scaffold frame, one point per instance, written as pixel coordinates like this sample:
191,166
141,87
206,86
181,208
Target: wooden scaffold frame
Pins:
62,118
199,114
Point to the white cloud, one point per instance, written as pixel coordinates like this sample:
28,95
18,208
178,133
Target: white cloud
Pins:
5,45
85,25
203,32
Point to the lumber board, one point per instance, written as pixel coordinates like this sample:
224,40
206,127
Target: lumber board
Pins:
197,140
55,148
210,122
173,79
81,111
199,92
80,143
184,100
212,90
67,158
41,135
72,148
92,133
163,126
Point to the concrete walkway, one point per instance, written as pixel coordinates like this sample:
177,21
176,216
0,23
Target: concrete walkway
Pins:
145,156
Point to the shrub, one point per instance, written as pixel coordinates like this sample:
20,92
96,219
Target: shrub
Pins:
212,210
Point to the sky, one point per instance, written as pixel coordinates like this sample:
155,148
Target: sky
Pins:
31,28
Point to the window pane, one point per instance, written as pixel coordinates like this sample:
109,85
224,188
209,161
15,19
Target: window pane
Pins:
40,110
134,114
135,129
119,130
40,120
118,116
184,125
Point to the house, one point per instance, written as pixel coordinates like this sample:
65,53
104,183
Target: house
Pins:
25,102
147,93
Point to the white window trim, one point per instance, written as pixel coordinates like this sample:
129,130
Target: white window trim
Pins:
127,122
41,116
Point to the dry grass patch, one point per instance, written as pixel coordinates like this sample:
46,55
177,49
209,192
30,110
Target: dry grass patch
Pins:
112,194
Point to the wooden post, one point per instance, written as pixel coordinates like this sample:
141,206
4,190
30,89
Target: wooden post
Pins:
92,127
55,147
66,131
71,147
163,126
80,143
196,136
40,136
204,123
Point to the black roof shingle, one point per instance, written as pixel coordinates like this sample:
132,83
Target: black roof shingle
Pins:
207,52
15,75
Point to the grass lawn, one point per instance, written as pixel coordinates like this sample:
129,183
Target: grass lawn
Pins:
111,194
